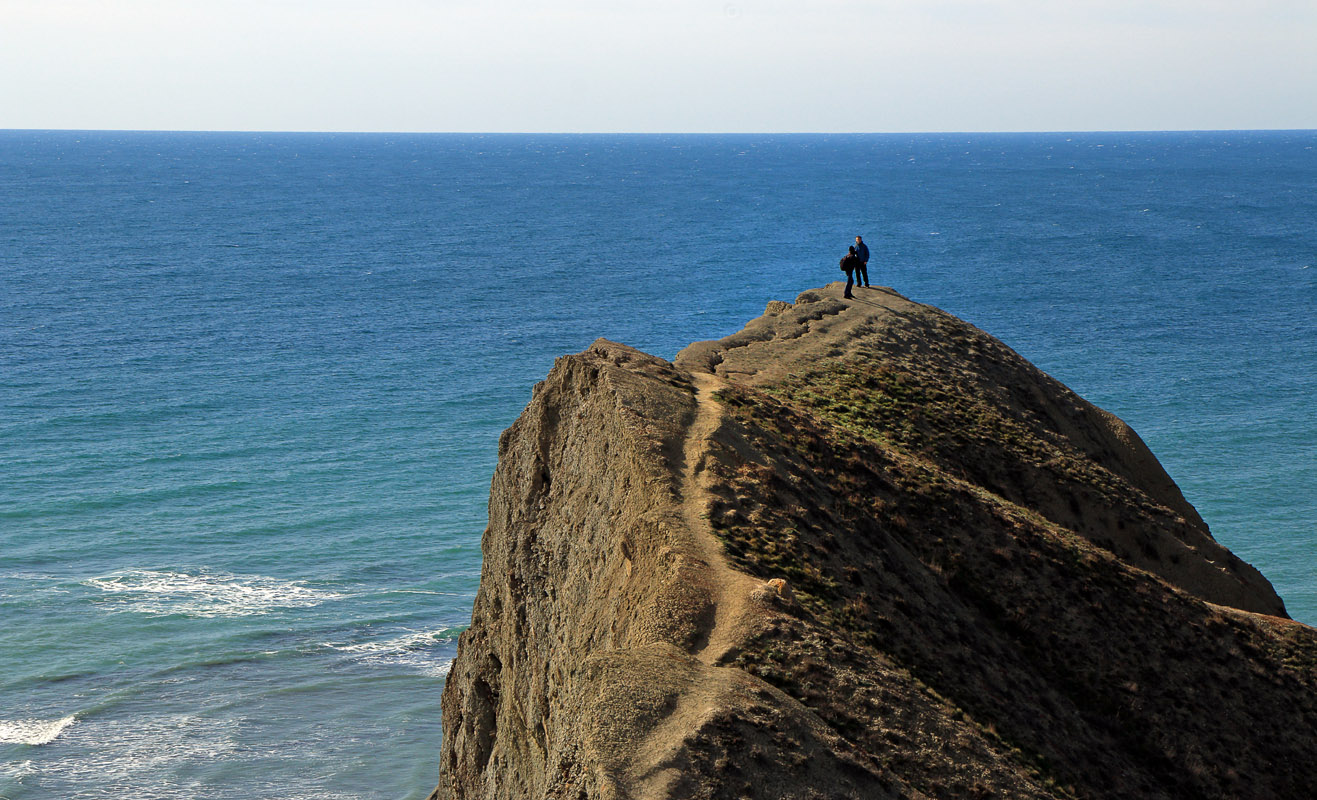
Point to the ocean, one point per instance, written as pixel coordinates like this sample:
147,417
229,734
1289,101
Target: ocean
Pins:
251,387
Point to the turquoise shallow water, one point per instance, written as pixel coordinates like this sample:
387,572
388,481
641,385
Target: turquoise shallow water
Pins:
252,387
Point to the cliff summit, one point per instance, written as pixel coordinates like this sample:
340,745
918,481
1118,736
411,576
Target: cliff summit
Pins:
860,549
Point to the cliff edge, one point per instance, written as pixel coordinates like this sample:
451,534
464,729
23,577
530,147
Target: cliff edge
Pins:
860,549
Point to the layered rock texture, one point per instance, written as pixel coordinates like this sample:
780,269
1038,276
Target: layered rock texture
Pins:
859,550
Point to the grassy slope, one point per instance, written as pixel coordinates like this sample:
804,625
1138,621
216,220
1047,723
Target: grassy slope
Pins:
971,645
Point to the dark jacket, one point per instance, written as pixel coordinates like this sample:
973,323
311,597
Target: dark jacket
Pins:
862,250
850,262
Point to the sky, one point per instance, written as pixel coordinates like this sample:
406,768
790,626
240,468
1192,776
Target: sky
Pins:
658,65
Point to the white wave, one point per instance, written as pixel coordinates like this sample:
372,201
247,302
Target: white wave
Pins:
33,731
428,591
206,594
133,753
440,670
140,757
412,650
411,641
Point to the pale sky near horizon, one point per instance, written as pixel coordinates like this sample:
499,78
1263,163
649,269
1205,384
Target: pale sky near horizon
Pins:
658,65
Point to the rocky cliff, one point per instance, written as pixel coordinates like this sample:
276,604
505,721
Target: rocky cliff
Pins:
859,549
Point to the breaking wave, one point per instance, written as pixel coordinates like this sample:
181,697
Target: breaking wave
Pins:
33,731
205,594
414,649
130,753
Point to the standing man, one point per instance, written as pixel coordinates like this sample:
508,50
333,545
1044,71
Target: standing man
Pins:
849,263
862,250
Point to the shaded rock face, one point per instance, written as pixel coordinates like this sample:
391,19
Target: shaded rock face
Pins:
860,549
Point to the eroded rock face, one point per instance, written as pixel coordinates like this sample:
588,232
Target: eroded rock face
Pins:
582,495
860,549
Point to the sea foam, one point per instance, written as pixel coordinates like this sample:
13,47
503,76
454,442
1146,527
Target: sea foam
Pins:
33,731
412,650
206,594
131,752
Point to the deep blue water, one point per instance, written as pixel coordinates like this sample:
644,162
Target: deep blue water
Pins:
251,387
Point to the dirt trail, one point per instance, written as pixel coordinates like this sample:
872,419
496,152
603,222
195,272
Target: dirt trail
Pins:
730,592
730,589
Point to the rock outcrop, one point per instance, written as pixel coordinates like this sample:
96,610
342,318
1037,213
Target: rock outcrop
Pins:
859,549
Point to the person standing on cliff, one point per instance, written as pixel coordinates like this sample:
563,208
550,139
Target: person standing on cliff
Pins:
862,250
849,263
